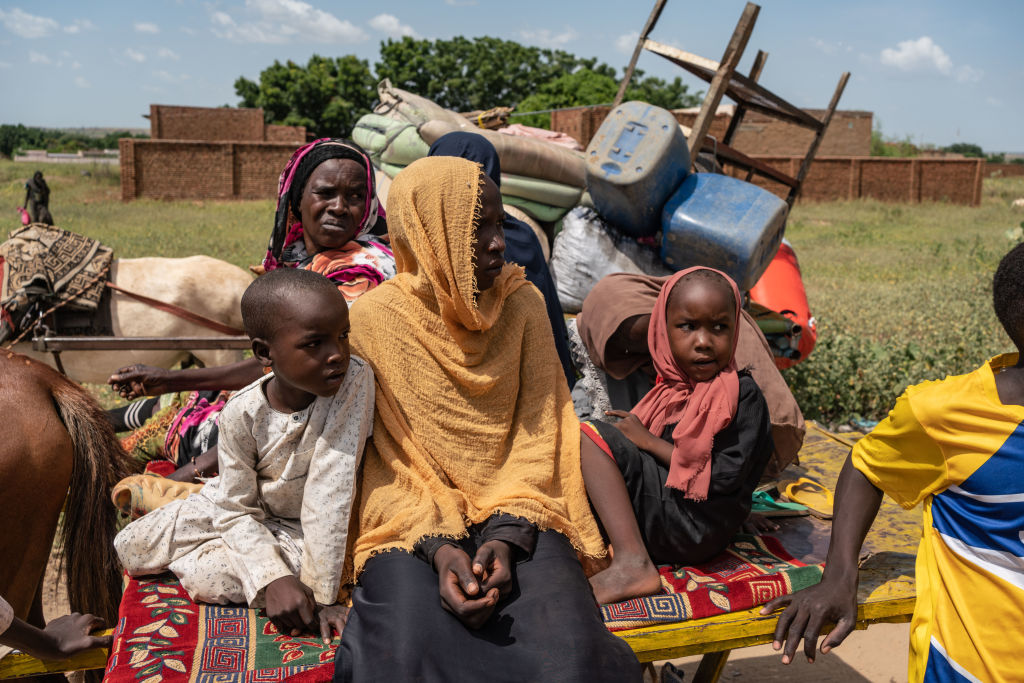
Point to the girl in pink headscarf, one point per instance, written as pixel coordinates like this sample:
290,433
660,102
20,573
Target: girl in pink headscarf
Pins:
671,482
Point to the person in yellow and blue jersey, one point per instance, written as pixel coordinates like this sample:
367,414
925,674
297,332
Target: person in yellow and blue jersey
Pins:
957,447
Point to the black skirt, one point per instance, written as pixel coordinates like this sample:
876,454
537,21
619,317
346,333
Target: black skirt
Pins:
677,530
549,627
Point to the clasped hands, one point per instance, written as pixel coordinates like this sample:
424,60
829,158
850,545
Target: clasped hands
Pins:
292,609
471,589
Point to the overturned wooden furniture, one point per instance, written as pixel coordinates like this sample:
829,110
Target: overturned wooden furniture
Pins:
749,95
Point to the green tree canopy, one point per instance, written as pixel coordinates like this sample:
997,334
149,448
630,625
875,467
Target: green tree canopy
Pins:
587,86
326,96
329,95
967,149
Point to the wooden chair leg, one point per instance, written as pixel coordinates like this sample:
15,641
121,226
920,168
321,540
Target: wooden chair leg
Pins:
711,666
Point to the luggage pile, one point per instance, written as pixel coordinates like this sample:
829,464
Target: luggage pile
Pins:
629,203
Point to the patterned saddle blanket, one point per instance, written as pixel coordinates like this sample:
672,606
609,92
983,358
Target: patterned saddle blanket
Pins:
41,266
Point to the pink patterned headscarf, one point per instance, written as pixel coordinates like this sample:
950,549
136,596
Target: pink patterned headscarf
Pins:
287,227
698,409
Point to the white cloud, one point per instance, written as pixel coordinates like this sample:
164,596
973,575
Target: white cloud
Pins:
134,55
284,21
188,31
923,56
546,38
967,74
919,55
38,58
146,27
626,43
79,25
82,83
830,48
6,65
460,3
76,65
993,101
27,25
167,53
169,77
389,25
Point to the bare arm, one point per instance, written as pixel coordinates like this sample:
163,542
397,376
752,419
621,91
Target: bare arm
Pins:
835,598
62,637
145,380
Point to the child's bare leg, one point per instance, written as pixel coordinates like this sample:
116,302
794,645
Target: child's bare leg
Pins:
631,574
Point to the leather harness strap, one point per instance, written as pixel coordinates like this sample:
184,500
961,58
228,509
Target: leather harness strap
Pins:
179,311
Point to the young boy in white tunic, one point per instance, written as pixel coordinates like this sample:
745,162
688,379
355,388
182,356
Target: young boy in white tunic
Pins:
271,530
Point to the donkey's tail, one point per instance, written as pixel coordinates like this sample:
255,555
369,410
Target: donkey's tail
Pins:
86,535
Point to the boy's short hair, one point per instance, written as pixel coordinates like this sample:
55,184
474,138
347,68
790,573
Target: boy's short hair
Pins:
1008,294
707,275
264,298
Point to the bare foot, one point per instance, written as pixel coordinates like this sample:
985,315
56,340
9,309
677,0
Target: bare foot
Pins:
758,524
626,578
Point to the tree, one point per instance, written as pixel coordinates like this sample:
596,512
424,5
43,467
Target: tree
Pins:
465,75
327,96
967,149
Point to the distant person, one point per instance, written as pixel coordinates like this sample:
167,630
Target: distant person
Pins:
957,446
37,199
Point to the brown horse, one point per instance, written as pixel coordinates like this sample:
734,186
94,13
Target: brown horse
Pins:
57,451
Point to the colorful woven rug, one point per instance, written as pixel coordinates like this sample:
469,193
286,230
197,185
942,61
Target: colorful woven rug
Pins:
164,637
751,571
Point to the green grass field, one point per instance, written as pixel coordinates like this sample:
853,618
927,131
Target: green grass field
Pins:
901,292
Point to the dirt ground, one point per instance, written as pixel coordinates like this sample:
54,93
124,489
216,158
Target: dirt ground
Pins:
875,655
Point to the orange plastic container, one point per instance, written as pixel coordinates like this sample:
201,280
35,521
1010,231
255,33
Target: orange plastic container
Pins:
782,290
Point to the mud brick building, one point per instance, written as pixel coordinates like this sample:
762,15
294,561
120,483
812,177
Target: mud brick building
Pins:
206,153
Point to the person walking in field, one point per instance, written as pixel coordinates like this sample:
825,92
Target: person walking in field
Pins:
37,199
957,446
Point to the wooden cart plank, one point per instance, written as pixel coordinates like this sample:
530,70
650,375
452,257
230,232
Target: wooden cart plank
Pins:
20,665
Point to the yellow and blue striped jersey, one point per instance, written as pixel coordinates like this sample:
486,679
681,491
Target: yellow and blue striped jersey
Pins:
953,445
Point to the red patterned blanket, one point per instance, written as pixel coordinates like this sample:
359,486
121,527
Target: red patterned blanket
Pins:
751,571
164,637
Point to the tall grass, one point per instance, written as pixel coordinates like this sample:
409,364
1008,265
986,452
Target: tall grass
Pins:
902,293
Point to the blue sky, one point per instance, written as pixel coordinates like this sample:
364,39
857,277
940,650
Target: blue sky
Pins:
939,72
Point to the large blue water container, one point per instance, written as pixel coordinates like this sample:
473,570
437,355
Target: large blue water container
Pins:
722,222
635,161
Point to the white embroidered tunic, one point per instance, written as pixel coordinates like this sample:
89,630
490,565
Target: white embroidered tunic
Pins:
281,504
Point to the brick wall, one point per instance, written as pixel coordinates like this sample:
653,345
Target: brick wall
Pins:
1004,170
849,133
173,169
276,133
580,123
205,123
888,179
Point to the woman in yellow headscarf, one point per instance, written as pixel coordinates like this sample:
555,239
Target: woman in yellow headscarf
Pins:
471,490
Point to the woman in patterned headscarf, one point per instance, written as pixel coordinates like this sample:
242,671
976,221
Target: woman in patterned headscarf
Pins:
327,214
327,210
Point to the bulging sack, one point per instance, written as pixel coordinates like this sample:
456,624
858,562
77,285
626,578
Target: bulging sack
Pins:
587,249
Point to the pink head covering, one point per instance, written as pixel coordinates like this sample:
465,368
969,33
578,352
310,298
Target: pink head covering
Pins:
698,409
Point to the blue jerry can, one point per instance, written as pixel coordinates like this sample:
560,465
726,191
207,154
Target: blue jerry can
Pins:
725,223
635,161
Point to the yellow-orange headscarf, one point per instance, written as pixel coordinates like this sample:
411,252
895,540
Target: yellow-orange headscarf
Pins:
473,416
